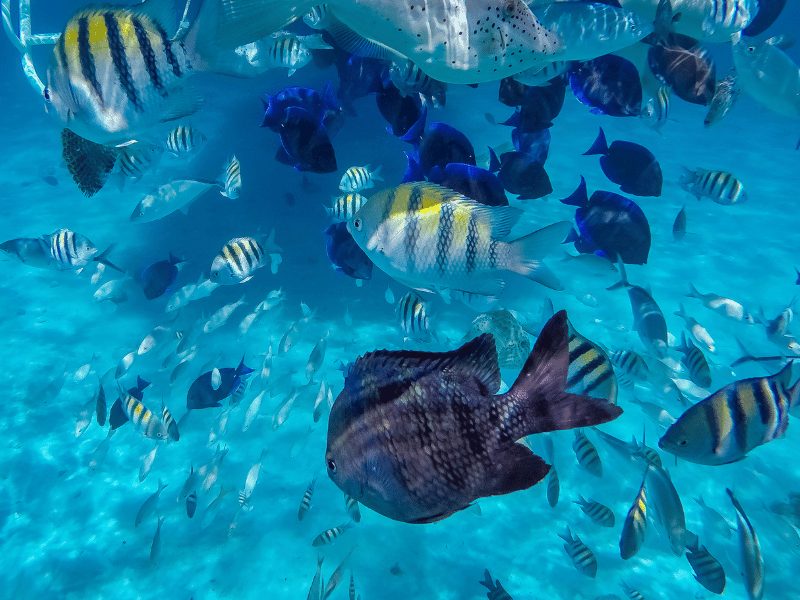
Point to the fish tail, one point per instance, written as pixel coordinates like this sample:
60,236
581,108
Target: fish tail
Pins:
693,293
579,197
376,174
623,277
681,312
415,132
494,167
527,252
102,258
539,394
600,146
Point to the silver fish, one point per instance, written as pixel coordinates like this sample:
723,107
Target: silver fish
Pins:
598,513
210,513
714,520
668,508
720,186
155,547
411,313
149,506
147,463
221,316
316,358
696,363
751,561
99,454
725,96
251,480
232,178
169,197
698,332
252,411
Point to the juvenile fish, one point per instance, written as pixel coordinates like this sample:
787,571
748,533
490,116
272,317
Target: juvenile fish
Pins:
586,453
330,535
598,513
722,306
356,179
698,332
316,358
184,139
351,506
232,178
583,558
751,561
631,367
250,482
412,315
221,316
212,509
170,424
149,506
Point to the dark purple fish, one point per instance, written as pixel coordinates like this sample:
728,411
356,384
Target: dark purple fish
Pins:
305,98
345,254
686,66
157,278
418,436
609,84
305,144
609,225
631,166
512,92
442,145
537,144
540,106
479,184
768,13
203,395
521,174
401,112
359,77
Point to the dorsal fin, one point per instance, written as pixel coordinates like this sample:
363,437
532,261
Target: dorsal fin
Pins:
161,12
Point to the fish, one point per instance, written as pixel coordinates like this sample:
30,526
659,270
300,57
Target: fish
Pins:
84,418
686,65
241,257
737,418
352,588
170,424
316,358
178,194
696,363
553,487
668,508
768,12
158,277
184,140
679,226
136,160
635,526
538,75
648,320
317,584
155,547
609,224
536,144
441,145
315,104
410,79
210,513
357,179
89,163
496,590
71,250
583,558
521,174
707,570
338,574
473,182
345,254
750,559
99,454
632,166
725,96
305,503
221,316
283,50
655,412
609,84
586,453
719,186
149,506
631,592
453,392
590,369
725,307
210,471
113,291
431,238
250,483
511,340
538,106
405,114
656,110
345,206
411,313
100,405
147,463
330,535
130,408
351,506
202,395
305,144
714,520
598,513
698,332
232,179
29,251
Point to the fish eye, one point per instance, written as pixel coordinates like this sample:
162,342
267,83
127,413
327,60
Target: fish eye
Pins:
232,275
683,442
141,214
750,49
357,224
331,465
508,8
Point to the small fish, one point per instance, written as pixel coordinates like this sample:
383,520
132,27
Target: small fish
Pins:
496,591
725,96
283,49
178,194
631,592
316,590
252,411
635,526
232,178
190,485
30,251
221,316
345,206
410,79
147,463
590,369
707,570
722,306
586,453
149,506
155,547
99,454
698,332
240,258
305,503
598,513
130,408
191,504
250,482
210,513
316,358
679,226
285,408
583,558
412,315
352,588
351,506
305,142
100,405
170,424
134,162
668,508
714,520
356,179
656,111
751,560
520,173
330,535
610,85
552,487
184,140
336,578
694,360
70,250
202,395
633,167
719,186
159,277
85,417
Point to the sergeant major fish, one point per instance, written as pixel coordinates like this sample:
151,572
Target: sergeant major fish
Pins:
241,257
635,526
356,179
401,404
70,250
412,315
720,186
583,558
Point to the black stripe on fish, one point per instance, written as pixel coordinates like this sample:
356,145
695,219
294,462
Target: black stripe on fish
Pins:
149,56
471,243
61,53
739,416
229,251
170,55
444,237
493,254
116,47
86,58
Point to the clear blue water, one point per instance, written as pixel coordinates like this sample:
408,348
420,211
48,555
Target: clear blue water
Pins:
65,533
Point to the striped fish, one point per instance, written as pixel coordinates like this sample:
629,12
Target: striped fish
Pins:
184,139
305,503
431,238
552,487
191,504
631,592
134,161
170,424
233,178
356,179
238,260
351,506
70,250
635,525
586,453
284,50
732,421
724,17
590,371
330,535
698,332
630,366
583,558
115,73
719,186
725,96
656,111
694,360
496,591
410,79
143,419
598,513
345,206
707,570
412,315
317,17
352,588
751,561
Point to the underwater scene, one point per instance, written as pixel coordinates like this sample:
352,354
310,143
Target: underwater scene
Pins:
390,299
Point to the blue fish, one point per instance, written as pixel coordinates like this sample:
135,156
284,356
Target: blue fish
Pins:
609,225
521,174
442,145
305,98
203,395
403,113
345,254
479,184
540,106
358,77
686,66
609,84
631,166
117,416
157,278
537,144
305,144
413,170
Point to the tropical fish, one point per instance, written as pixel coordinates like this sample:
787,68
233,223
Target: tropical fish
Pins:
155,547
357,179
630,165
130,407
719,186
241,257
635,526
412,315
158,277
496,591
583,558
679,226
316,358
609,224
330,535
610,84
538,106
351,506
722,306
283,50
250,483
305,503
510,339
707,570
305,144
714,520
345,206
210,513
586,453
136,160
170,424
149,506
656,110
478,184
590,369
439,387
698,332
169,197
732,421
598,513
668,508
30,251
695,362
431,238
410,79
232,179
648,320
345,254
751,560
184,139
71,250
405,114
314,103
725,96
441,145
686,66
202,395
521,174
147,463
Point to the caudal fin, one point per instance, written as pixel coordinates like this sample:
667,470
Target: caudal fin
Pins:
539,393
527,253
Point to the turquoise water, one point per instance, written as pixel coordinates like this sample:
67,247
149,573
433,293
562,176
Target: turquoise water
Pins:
66,533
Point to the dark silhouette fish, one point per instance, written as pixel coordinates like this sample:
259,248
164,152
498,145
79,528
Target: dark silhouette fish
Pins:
305,144
305,98
442,145
512,92
159,276
609,84
686,66
631,166
537,144
418,436
540,105
202,393
345,254
521,174
400,111
479,184
358,77
609,225
117,416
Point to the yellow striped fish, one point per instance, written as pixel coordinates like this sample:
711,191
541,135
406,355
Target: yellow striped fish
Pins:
240,258
233,178
719,186
143,419
356,179
184,139
431,238
590,371
583,558
635,525
729,423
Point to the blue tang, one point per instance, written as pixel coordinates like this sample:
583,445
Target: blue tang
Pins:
345,254
157,278
631,166
202,394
